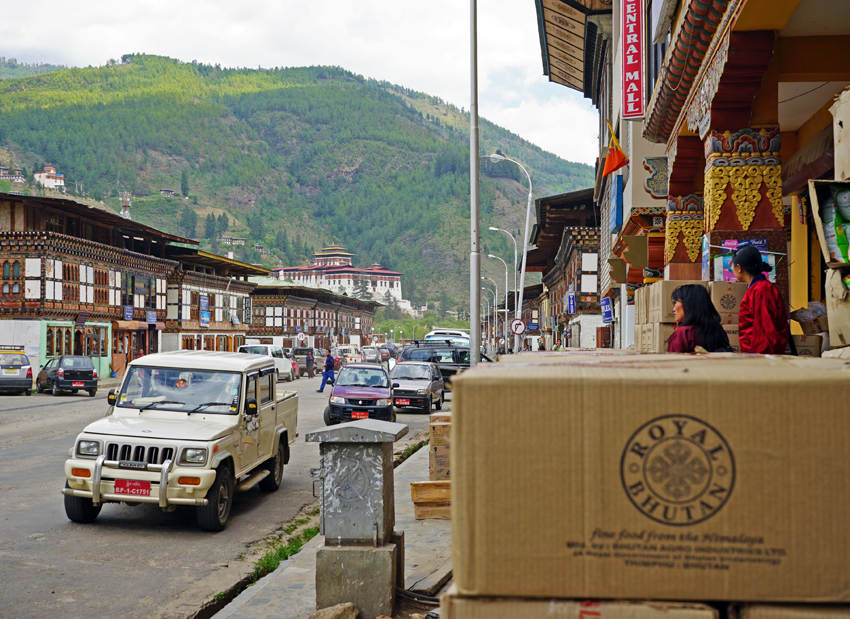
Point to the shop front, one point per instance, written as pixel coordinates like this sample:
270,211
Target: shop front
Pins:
65,337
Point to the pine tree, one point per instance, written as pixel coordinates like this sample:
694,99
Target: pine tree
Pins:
210,227
188,221
361,289
222,224
184,183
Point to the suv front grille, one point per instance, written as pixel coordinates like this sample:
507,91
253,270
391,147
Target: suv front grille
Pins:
151,454
358,402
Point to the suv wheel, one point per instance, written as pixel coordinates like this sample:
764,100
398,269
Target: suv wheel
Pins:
274,466
439,404
427,407
92,393
214,515
39,387
79,509
56,390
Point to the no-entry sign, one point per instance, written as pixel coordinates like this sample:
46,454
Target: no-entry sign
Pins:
301,337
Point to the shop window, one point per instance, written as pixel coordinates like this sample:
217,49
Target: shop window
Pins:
49,346
209,342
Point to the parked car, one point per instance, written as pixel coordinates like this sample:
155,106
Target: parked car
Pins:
371,355
350,353
287,352
283,365
450,359
15,370
171,434
68,373
385,354
455,337
300,357
361,391
391,348
420,385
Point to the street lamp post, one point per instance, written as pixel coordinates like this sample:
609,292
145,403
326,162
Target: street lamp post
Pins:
495,321
486,317
474,165
495,158
505,329
516,292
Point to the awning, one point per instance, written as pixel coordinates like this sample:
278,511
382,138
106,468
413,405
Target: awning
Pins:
159,326
570,42
128,325
814,160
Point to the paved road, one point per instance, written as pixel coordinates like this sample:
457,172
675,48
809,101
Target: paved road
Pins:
134,561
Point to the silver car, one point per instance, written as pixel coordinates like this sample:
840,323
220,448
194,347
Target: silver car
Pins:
371,355
420,385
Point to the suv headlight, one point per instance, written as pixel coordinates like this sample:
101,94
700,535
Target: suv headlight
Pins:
337,400
195,456
88,448
382,402
420,392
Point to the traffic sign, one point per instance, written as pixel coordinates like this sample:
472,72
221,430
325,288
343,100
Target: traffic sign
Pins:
517,326
301,337
502,341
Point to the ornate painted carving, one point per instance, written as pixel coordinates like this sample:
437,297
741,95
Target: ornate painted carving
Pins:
746,160
657,181
684,215
699,112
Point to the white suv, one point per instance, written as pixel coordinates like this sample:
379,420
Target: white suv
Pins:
283,364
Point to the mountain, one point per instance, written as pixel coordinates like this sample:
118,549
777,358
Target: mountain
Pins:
292,158
10,68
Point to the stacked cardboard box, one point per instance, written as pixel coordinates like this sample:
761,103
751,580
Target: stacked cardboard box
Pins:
432,499
439,434
589,501
726,297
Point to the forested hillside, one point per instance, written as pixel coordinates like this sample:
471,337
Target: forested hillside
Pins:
288,158
11,68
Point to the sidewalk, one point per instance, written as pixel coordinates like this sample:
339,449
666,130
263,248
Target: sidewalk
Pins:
290,591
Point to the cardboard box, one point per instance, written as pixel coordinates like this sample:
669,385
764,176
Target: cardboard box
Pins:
660,302
432,511
438,456
646,338
808,345
442,473
777,611
431,491
583,499
732,334
726,297
641,306
812,319
440,434
453,606
441,417
660,334
819,191
838,309
841,134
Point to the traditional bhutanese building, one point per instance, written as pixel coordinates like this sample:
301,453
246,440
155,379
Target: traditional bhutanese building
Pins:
332,269
725,111
49,178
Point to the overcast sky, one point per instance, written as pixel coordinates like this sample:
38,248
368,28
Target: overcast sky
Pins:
419,45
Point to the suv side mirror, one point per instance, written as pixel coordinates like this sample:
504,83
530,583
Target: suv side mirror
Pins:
111,397
395,385
251,406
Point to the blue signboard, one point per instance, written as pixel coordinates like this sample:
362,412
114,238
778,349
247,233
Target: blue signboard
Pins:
205,303
128,312
571,302
616,209
205,318
532,326
298,328
151,318
607,310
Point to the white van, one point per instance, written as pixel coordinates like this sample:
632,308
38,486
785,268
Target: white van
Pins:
283,364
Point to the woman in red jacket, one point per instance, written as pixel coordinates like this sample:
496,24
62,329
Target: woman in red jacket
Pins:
763,319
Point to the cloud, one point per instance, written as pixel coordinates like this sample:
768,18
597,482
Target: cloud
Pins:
419,45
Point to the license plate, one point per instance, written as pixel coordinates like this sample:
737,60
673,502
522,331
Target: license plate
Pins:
403,402
77,384
133,487
10,371
359,415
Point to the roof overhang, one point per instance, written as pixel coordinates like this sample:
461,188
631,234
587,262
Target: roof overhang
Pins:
571,42
200,257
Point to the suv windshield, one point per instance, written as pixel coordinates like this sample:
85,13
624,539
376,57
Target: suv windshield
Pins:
362,377
181,390
13,359
254,350
411,372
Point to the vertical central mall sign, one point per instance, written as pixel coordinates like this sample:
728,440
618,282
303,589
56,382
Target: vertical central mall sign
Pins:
634,68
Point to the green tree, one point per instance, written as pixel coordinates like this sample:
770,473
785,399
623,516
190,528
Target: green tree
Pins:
361,289
256,226
5,186
445,303
222,224
188,221
184,183
210,227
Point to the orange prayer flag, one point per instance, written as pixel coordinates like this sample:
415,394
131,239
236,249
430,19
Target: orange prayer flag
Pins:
616,158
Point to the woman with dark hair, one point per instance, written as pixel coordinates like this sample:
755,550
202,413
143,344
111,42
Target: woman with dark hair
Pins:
698,320
763,319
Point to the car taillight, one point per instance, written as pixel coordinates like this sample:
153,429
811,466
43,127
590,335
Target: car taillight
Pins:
95,374
61,373
29,372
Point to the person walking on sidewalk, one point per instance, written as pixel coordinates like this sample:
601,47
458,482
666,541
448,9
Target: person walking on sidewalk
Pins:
697,322
328,374
763,319
310,360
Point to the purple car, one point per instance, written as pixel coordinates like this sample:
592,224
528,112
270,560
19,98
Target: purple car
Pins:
361,391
